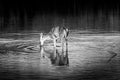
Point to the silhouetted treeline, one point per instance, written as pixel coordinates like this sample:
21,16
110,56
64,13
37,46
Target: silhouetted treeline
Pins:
109,21
24,16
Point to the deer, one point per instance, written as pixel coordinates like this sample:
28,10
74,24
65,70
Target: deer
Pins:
56,33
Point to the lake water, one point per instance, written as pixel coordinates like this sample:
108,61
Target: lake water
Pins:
88,60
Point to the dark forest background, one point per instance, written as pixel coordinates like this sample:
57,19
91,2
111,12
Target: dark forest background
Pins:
17,16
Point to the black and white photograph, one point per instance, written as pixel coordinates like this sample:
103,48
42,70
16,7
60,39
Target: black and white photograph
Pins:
59,40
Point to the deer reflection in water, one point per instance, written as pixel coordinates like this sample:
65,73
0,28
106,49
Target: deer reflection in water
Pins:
42,52
60,59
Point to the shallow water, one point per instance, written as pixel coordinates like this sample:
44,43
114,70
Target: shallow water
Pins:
87,61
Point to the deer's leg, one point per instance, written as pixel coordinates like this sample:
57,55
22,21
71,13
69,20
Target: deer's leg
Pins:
66,45
62,43
41,48
54,47
54,43
41,52
41,41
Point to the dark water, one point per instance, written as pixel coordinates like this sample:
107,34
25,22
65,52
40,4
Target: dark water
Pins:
30,66
85,63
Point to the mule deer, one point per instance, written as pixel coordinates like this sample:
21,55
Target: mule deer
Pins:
55,34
